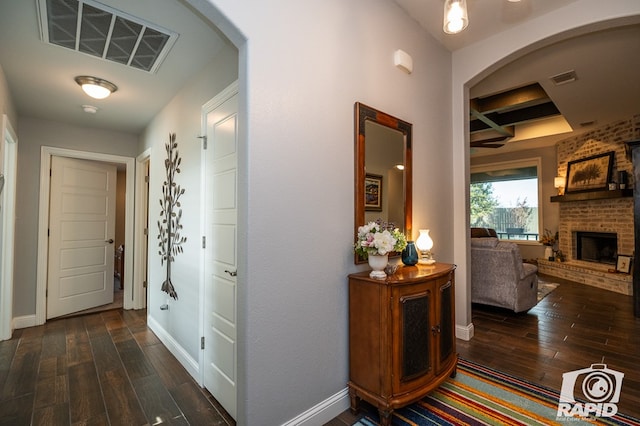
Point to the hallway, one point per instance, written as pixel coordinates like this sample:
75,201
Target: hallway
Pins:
103,369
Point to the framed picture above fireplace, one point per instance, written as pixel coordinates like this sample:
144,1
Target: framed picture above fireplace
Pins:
623,264
589,174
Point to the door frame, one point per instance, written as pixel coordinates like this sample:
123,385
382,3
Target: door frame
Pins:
142,221
43,222
10,164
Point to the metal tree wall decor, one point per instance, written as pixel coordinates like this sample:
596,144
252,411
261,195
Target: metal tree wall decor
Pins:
169,226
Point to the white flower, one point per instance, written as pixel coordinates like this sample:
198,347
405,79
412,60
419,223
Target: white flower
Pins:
378,238
384,242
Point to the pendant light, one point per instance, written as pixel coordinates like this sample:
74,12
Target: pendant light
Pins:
455,16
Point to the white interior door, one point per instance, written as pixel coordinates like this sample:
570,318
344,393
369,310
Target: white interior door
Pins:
220,349
81,231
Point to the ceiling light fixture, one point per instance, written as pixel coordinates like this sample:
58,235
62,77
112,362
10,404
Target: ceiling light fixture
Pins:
455,16
96,87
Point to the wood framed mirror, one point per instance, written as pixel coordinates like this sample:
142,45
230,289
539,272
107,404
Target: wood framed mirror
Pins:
383,182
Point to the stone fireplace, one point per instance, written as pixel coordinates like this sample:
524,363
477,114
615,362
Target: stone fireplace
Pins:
591,234
598,247
607,215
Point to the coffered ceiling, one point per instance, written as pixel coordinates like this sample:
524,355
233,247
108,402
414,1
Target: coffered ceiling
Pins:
605,88
494,118
590,79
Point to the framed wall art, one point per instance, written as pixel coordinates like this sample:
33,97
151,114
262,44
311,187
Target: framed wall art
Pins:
623,264
589,174
373,192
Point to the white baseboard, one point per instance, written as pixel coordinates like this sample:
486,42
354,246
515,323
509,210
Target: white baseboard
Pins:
324,411
24,321
465,332
190,364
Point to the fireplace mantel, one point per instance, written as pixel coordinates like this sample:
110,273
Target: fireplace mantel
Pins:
592,195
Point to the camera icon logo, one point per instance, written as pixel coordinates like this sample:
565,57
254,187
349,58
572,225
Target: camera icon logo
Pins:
598,386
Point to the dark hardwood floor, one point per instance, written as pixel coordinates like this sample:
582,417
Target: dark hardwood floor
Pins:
100,369
109,368
570,329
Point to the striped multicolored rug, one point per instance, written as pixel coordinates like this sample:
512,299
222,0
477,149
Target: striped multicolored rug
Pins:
482,396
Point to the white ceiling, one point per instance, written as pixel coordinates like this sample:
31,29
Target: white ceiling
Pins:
606,62
607,88
40,76
486,17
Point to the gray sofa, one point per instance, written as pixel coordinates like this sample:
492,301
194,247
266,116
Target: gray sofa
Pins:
498,275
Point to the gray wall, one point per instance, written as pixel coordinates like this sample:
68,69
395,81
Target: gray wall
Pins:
182,117
303,67
34,133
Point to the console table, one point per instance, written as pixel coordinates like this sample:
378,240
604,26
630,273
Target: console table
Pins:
401,336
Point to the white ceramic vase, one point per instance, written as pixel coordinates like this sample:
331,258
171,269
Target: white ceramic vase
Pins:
548,252
378,262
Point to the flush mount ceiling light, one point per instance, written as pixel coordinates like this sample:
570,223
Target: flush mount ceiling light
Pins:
455,16
96,87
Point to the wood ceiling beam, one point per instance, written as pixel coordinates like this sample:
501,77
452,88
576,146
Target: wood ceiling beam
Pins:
493,118
516,98
496,142
485,122
513,117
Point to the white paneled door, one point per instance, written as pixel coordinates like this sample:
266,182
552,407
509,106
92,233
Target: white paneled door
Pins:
81,231
220,349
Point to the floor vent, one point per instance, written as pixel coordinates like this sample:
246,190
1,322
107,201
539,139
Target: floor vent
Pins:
92,28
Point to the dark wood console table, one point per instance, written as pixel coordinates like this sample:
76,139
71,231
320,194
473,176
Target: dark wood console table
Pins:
401,336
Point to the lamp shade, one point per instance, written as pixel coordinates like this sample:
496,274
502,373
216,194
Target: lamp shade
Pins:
558,182
424,241
96,87
455,16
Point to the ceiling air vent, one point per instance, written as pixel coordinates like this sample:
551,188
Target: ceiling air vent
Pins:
95,29
564,77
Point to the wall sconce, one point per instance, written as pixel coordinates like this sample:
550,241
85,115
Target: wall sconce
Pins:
96,87
455,16
558,183
424,243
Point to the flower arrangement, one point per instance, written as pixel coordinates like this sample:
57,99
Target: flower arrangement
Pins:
379,238
549,239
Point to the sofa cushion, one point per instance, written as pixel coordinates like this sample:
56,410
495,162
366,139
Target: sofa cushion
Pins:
498,276
529,269
484,242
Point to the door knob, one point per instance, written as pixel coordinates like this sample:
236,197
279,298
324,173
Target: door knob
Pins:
232,273
110,241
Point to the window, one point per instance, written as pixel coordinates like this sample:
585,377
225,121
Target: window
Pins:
505,197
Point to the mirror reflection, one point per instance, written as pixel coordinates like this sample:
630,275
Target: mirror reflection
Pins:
383,182
384,174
